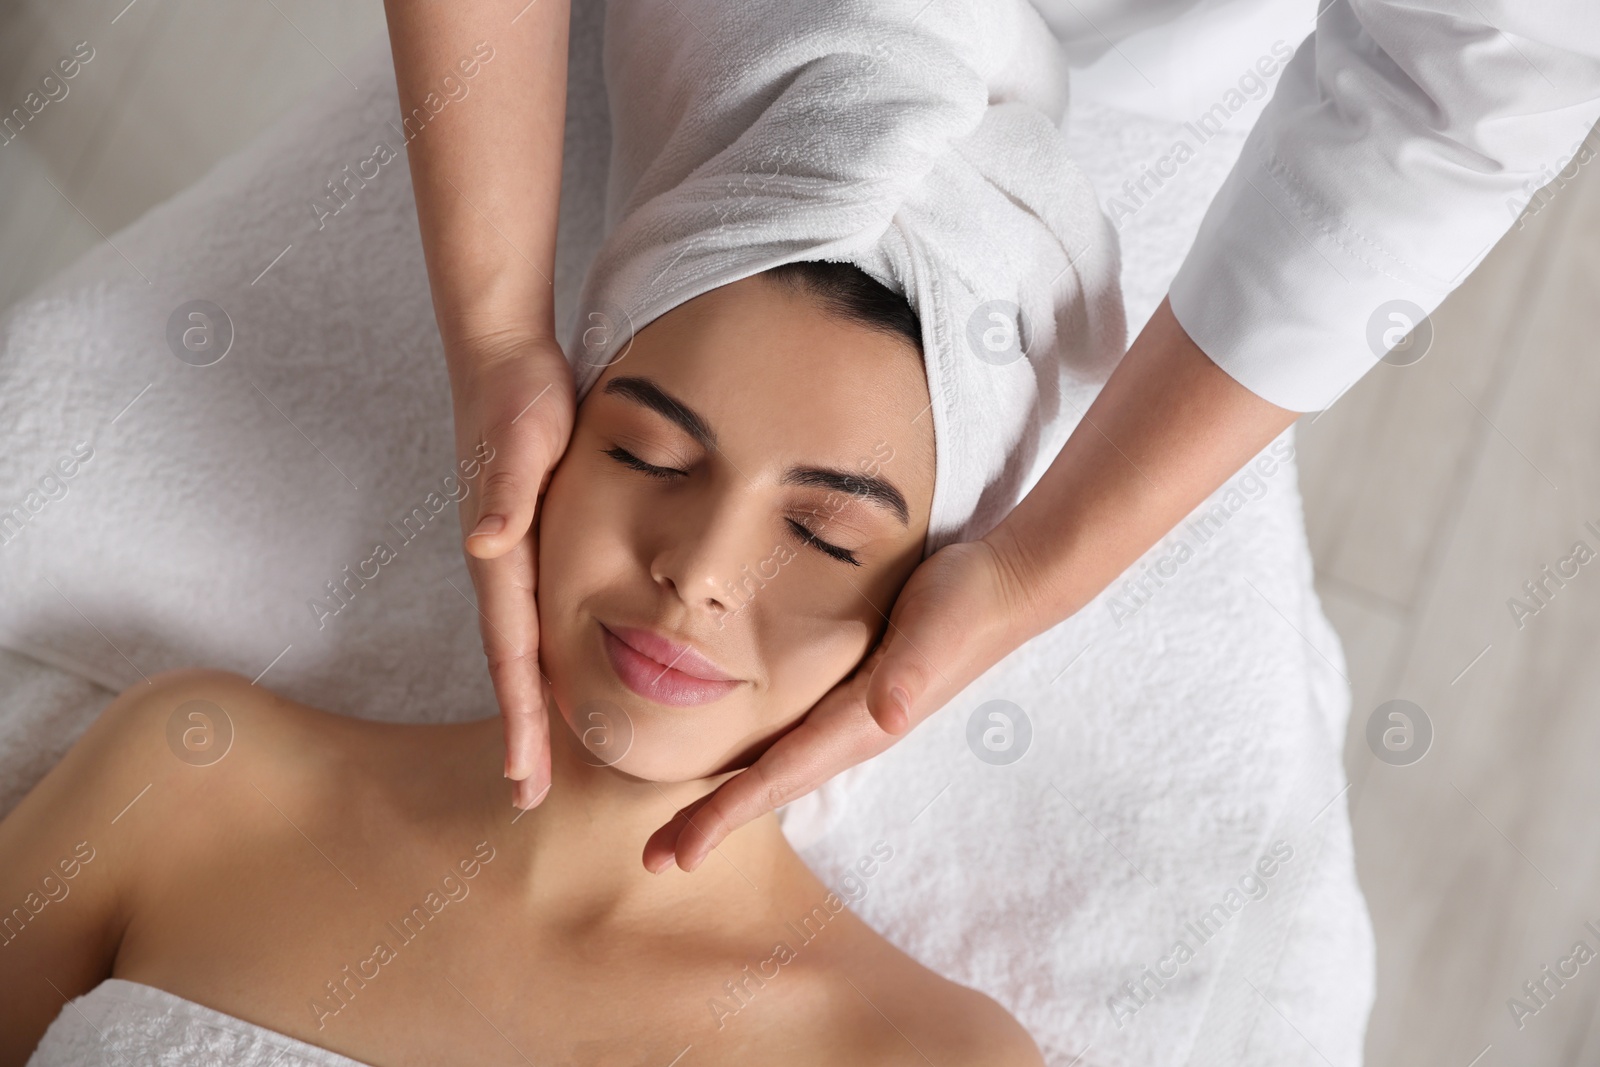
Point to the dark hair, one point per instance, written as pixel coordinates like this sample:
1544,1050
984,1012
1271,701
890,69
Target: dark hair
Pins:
846,290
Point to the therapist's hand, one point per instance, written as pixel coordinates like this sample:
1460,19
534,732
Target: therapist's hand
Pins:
1167,430
961,611
514,407
486,177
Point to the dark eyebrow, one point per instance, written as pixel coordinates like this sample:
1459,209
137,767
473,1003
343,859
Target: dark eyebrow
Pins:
877,491
648,393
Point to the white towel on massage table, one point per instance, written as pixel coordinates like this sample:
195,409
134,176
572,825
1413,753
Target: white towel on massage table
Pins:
1182,723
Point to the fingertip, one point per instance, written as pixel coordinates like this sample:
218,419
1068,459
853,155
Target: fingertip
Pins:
485,533
527,755
539,778
891,721
894,715
695,859
518,766
691,853
658,850
488,526
528,795
483,546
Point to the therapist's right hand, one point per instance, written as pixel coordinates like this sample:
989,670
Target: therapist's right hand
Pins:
514,409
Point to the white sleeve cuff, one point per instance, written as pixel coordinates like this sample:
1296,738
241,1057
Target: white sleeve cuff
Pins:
1291,308
1401,143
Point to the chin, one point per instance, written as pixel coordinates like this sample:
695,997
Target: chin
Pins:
630,733
649,744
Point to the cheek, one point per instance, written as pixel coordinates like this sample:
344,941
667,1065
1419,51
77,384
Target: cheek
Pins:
585,525
803,656
813,624
574,547
809,641
587,563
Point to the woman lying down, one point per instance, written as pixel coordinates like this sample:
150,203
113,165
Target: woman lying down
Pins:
814,243
328,890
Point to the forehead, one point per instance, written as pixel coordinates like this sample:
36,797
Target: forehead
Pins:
777,377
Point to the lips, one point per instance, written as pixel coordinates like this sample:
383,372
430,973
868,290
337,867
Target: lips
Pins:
662,670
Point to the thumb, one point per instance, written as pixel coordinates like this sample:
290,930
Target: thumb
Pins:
947,627
513,415
899,680
513,471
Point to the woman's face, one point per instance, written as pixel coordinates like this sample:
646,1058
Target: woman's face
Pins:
744,494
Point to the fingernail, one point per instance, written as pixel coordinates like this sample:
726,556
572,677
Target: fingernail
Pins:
527,794
488,525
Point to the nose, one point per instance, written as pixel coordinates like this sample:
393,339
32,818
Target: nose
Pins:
708,547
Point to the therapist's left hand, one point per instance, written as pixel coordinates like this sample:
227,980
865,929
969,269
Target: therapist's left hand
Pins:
961,611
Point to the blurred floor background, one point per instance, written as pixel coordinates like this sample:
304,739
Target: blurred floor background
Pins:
1433,493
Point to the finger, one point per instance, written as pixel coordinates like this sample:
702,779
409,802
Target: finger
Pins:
743,798
525,794
662,848
896,683
812,752
532,738
890,705
901,682
508,623
513,475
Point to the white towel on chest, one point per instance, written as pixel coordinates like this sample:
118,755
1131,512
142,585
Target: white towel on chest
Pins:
120,1023
919,142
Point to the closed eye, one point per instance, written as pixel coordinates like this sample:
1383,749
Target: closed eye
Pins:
816,542
633,462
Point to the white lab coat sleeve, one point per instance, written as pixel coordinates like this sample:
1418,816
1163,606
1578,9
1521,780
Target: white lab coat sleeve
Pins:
1402,142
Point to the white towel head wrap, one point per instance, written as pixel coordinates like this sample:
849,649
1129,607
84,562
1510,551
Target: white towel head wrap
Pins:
918,140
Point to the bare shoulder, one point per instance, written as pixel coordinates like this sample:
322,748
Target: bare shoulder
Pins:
198,713
884,1007
946,1022
150,709
152,729
977,1030
259,762
101,824
182,732
182,741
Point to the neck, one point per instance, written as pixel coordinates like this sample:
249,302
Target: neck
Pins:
580,851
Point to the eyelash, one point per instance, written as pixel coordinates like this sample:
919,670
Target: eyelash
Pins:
650,470
633,462
844,555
